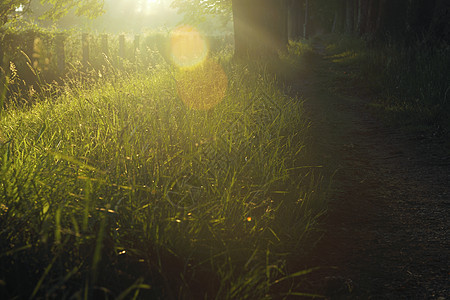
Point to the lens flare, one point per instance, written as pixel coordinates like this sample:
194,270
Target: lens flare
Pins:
188,48
202,87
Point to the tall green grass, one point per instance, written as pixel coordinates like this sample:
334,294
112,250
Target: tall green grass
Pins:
409,83
115,188
416,84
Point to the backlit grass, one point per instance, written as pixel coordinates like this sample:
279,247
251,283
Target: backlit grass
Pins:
117,188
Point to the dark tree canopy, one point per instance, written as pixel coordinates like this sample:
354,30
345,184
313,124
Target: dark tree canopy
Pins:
262,27
400,20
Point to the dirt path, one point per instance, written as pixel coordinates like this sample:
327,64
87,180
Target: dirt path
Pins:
387,230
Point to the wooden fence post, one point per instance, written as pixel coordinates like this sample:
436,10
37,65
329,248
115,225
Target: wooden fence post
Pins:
122,46
136,44
85,48
60,55
104,49
37,56
104,44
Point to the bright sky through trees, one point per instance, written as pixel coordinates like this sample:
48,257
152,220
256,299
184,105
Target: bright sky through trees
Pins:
149,6
115,16
136,15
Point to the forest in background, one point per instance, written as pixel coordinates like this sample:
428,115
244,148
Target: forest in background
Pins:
402,52
116,182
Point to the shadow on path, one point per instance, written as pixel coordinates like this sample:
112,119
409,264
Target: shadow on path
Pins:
387,229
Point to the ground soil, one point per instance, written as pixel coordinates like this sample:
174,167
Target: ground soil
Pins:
386,233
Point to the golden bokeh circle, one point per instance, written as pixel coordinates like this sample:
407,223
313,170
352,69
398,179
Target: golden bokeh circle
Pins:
202,87
188,47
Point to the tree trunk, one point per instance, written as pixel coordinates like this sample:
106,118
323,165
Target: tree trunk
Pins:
295,19
379,17
363,7
284,25
370,18
260,28
242,27
335,21
276,24
349,16
305,24
342,8
358,16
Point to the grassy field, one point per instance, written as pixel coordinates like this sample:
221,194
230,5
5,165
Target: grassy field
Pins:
156,184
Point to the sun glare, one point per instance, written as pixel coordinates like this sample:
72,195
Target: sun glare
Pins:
188,47
146,6
201,82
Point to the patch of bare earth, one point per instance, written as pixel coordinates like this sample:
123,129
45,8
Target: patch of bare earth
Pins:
386,234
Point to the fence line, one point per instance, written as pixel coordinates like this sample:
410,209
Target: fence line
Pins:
54,52
54,49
